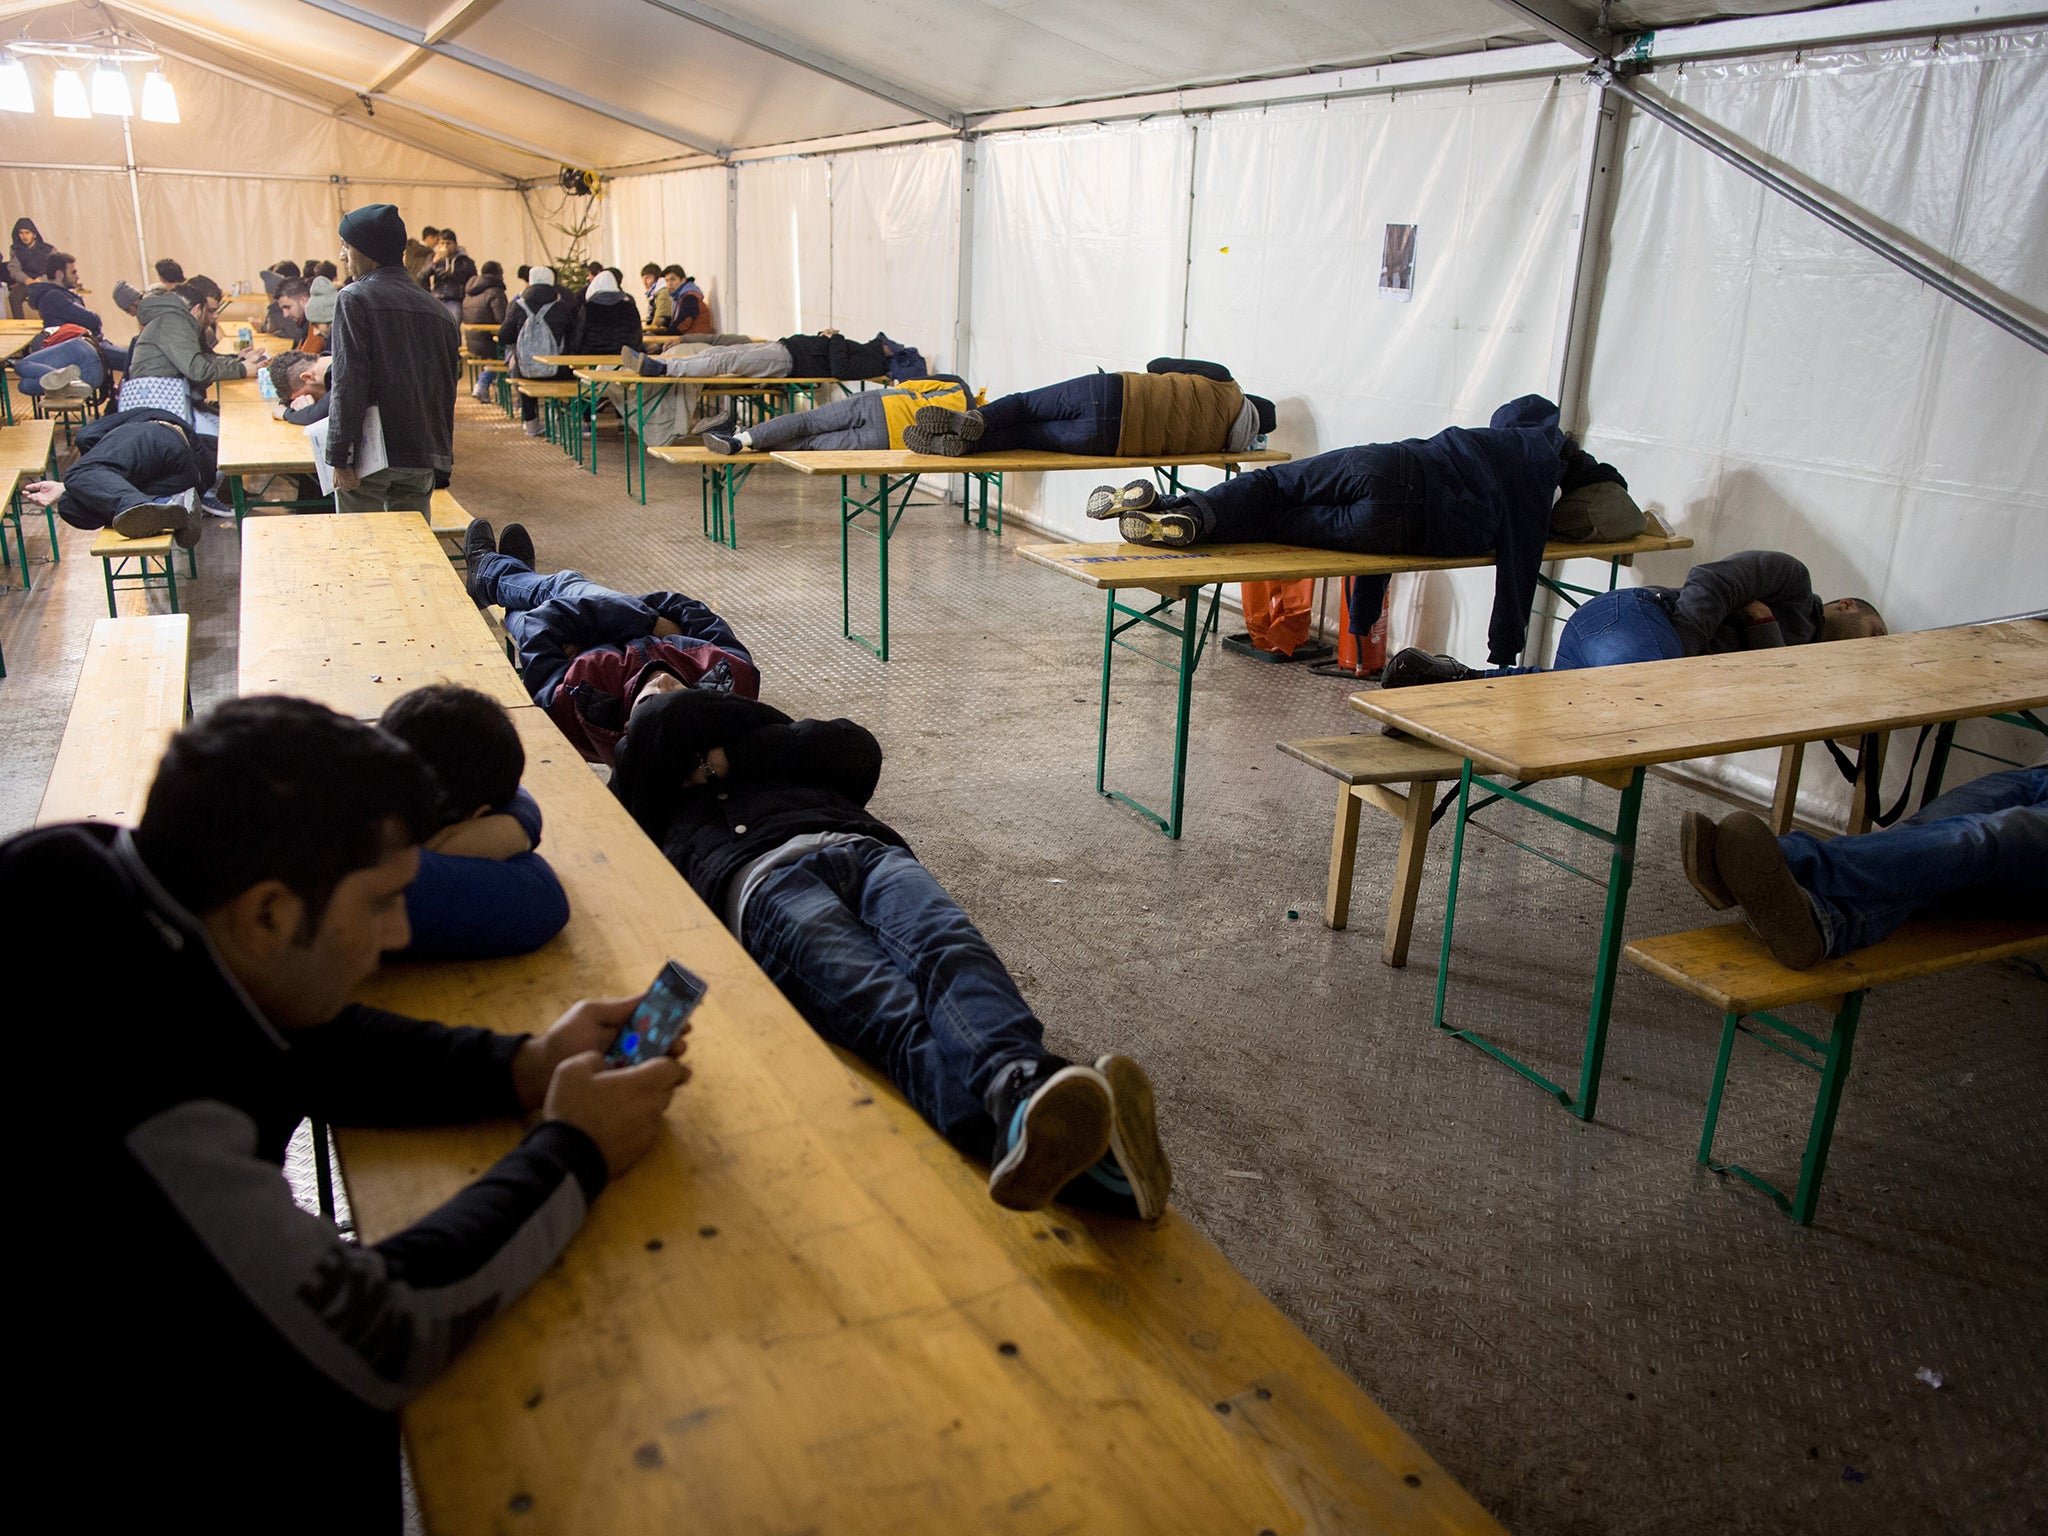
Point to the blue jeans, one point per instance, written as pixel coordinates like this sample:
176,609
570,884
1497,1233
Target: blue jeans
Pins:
1083,415
1612,630
880,960
1985,838
79,352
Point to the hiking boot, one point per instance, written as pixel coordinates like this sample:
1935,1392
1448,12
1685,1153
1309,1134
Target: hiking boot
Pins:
965,425
1134,1178
1107,501
150,519
1752,866
719,442
948,445
190,526
1049,1131
1414,667
1696,848
1162,530
515,543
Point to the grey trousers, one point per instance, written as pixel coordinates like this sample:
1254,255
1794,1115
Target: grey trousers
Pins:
756,360
390,490
856,421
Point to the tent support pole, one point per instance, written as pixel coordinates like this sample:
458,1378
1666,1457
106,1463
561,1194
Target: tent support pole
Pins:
135,200
963,278
729,301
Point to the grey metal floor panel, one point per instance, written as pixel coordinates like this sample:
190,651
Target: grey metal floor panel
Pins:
1591,1332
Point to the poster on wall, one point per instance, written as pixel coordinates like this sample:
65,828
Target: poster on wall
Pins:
1397,263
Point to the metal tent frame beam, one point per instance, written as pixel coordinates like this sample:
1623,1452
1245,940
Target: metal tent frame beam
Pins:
512,76
452,21
806,57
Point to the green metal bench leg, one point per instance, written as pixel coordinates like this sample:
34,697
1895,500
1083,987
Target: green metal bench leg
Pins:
1193,632
886,516
238,497
108,567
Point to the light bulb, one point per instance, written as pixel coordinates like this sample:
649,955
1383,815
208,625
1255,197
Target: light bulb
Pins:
159,101
15,95
67,98
110,95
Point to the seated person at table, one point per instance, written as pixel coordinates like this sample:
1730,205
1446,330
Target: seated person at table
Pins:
134,473
168,275
172,367
229,931
302,399
1176,406
692,310
482,890
587,653
661,304
874,418
277,319
554,313
55,298
288,310
1982,845
1760,599
767,819
827,355
320,306
1464,494
608,322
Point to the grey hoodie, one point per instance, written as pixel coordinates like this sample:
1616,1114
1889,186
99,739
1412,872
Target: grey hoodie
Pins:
170,345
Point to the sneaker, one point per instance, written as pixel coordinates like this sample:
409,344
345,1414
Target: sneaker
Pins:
1696,849
965,425
150,519
1414,667
1752,866
213,506
69,394
1049,1133
1162,530
719,423
1106,501
190,526
718,442
517,544
630,359
59,378
535,428
1135,1178
948,445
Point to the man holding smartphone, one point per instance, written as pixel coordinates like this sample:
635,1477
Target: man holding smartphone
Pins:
191,982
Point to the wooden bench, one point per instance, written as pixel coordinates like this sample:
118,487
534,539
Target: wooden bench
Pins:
558,414
72,413
719,478
450,524
31,448
133,695
1364,767
142,564
1731,968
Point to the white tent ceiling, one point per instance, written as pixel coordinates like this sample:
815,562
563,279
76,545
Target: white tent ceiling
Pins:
516,87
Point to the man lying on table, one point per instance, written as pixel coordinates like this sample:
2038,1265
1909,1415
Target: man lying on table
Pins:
767,819
587,653
1759,599
482,891
873,418
1982,844
1466,493
189,985
135,473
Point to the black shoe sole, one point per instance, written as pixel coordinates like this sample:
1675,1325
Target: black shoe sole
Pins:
1066,1130
1753,868
1696,852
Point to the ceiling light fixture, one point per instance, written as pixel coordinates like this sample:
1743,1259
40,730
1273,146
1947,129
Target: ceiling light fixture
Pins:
110,94
68,98
159,101
15,92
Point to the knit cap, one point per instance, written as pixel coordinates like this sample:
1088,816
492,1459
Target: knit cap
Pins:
377,231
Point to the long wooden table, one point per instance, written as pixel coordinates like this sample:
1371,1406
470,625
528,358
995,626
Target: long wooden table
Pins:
719,478
357,610
1608,724
254,442
802,1311
1176,577
896,472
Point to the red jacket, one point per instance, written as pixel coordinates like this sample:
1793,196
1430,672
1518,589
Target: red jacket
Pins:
596,694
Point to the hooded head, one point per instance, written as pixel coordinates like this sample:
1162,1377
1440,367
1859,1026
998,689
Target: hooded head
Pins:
26,227
601,286
1268,417
377,231
540,277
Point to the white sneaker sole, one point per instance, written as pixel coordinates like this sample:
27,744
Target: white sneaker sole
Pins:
1134,1135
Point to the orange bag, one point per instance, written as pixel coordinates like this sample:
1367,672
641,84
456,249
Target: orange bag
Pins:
1277,613
1363,655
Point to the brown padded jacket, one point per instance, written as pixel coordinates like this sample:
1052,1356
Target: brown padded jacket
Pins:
1171,413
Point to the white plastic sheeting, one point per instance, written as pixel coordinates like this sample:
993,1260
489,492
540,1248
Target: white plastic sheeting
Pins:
785,244
1768,383
895,246
680,217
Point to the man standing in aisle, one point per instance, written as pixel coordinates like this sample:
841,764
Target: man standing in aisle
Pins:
395,350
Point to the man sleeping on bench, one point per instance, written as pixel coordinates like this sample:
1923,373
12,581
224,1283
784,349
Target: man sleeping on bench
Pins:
1465,493
1758,599
767,819
1811,899
587,653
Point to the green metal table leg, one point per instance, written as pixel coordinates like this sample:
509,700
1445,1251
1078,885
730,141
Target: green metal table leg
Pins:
239,497
108,567
170,579
886,517
1192,631
1621,868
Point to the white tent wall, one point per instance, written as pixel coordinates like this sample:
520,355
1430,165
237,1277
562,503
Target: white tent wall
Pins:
895,246
672,216
232,225
1767,383
785,248
1290,210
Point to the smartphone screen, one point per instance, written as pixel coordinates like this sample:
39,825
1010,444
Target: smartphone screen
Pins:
659,1019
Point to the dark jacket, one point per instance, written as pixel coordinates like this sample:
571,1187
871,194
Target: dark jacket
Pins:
785,778
1708,612
172,345
483,303
394,348
834,357
535,298
450,279
267,1354
607,322
26,263
463,908
153,451
1489,491
58,305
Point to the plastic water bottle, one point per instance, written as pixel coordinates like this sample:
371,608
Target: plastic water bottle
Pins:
245,336
264,387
